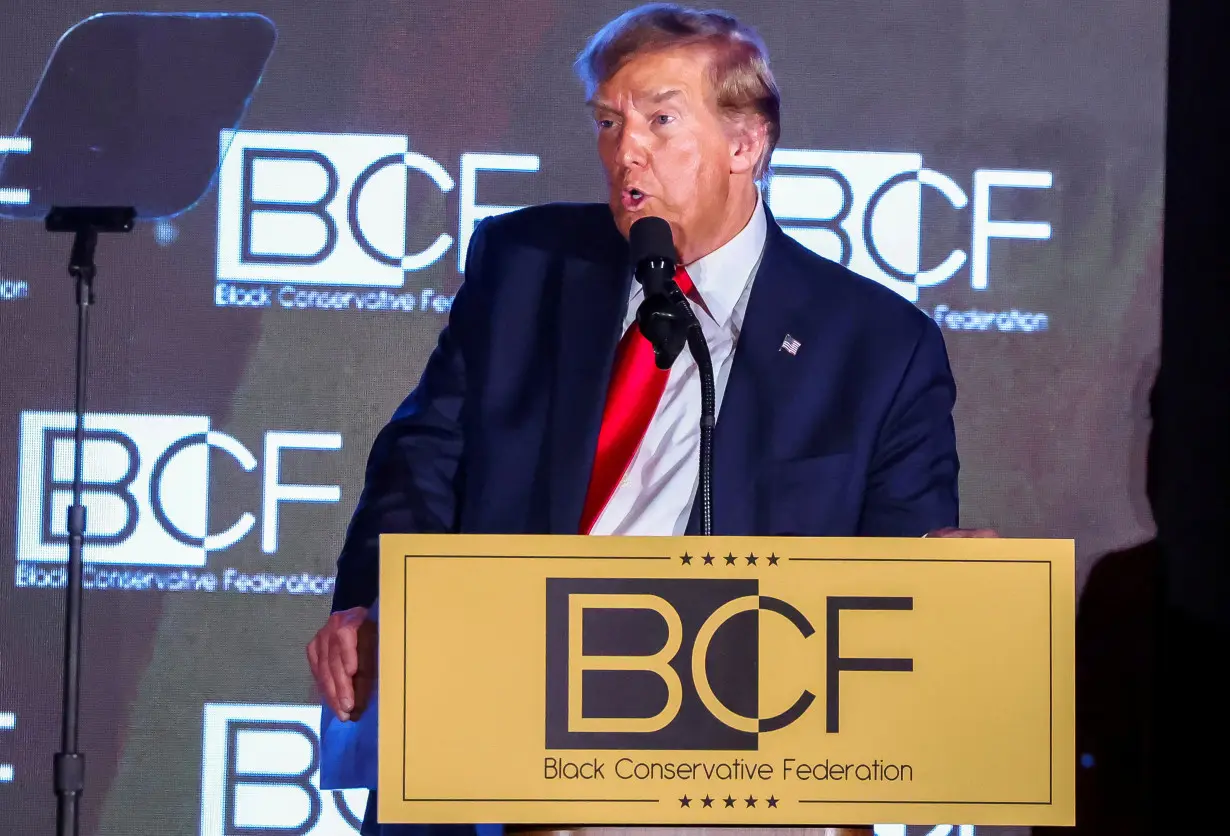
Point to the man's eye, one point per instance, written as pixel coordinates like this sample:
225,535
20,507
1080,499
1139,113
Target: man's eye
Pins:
606,123
663,119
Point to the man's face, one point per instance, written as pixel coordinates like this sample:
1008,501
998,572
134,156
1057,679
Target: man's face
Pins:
666,150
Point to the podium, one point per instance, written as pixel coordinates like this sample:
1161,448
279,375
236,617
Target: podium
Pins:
747,683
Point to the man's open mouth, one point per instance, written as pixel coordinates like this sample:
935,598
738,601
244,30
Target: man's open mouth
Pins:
633,199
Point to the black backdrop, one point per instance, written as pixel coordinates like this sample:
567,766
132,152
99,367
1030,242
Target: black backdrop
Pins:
1192,448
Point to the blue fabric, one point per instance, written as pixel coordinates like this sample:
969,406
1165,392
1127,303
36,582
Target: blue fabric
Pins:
350,748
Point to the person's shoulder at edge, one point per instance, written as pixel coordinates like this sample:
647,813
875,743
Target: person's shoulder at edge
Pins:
580,230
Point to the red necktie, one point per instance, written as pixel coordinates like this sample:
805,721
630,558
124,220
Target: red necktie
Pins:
631,401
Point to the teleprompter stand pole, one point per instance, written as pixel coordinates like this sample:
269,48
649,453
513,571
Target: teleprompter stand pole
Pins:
85,224
172,83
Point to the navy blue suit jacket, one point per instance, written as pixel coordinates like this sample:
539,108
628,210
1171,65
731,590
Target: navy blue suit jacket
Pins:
851,436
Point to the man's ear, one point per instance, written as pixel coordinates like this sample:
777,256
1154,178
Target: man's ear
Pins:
747,144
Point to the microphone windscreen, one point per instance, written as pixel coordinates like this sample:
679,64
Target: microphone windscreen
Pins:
651,237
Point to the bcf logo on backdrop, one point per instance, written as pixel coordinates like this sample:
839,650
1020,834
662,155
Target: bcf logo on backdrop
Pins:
260,773
146,487
864,210
314,208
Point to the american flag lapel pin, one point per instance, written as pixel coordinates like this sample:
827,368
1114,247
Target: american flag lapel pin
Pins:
791,345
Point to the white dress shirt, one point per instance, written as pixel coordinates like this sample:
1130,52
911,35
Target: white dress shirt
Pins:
656,494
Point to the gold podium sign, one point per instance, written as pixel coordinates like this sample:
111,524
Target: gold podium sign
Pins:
726,681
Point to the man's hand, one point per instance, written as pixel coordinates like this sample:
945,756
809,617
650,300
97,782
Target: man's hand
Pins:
342,656
963,532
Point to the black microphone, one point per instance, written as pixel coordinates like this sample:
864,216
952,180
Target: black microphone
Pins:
667,320
652,250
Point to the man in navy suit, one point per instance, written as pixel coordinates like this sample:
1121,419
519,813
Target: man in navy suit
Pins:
540,411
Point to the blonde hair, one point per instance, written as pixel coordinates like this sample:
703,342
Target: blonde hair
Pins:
739,66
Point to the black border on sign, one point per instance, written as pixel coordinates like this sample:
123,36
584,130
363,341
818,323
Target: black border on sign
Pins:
1050,594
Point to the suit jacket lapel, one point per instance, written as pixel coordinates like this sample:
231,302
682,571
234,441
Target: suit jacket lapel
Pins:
592,301
780,301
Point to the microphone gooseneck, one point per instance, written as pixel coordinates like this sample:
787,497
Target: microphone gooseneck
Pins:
667,321
708,404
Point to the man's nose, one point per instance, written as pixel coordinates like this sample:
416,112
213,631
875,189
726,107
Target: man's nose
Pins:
632,150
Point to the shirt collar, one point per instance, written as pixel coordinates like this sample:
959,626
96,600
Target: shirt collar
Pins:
722,276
